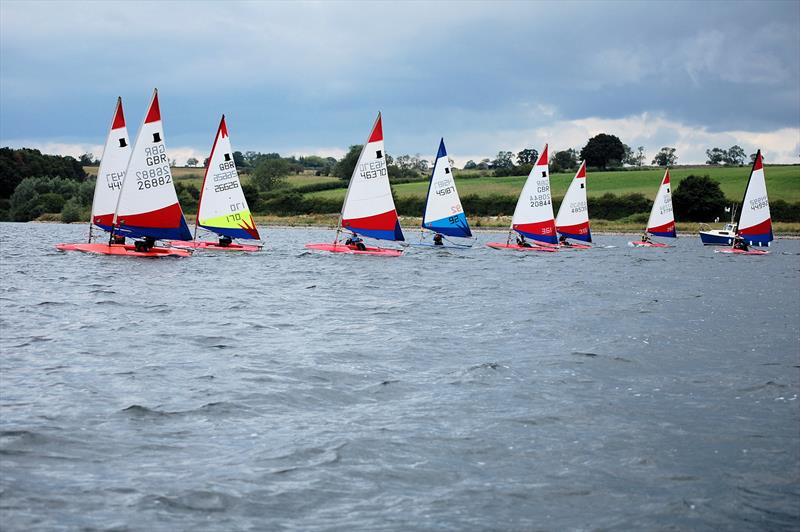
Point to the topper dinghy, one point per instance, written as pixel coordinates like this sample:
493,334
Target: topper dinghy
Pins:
443,214
533,216
368,207
662,220
222,207
116,154
147,206
755,222
572,220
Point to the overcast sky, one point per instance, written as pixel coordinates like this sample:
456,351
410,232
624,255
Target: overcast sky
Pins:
309,78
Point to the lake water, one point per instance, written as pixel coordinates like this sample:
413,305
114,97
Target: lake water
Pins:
614,388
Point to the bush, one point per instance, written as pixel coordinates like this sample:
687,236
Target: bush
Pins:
71,211
698,199
783,211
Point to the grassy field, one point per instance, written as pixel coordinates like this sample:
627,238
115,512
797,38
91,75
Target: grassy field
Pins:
783,182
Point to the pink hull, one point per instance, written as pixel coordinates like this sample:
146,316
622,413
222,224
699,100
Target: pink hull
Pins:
341,248
123,250
501,245
640,244
190,244
742,252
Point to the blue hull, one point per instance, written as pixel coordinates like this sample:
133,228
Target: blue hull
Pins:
709,239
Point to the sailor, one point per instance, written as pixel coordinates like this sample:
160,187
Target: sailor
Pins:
437,240
562,240
521,242
739,243
145,245
117,239
646,238
225,241
355,241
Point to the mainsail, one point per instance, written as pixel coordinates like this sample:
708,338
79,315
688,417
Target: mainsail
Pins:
755,222
368,207
573,214
662,221
148,205
443,211
222,207
111,174
533,215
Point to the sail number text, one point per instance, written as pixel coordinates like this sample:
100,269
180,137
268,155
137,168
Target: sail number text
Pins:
579,206
114,180
157,176
759,203
372,169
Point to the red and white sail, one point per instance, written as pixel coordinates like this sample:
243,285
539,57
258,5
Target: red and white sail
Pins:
533,215
368,205
662,220
755,222
148,204
222,207
573,214
111,174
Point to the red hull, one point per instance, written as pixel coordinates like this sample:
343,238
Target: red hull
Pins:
341,248
501,245
742,252
123,250
190,244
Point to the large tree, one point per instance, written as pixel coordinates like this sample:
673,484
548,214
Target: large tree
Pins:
736,155
564,160
698,199
527,156
344,168
603,150
504,159
716,156
270,173
665,157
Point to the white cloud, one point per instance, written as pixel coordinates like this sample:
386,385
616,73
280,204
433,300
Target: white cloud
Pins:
650,131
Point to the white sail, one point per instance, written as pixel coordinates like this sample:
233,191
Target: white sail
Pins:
573,214
755,221
662,220
443,211
368,207
148,205
222,207
111,174
533,215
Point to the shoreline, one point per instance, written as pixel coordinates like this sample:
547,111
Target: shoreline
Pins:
409,226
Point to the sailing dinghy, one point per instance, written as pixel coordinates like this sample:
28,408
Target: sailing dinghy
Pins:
662,220
533,215
222,207
147,206
368,207
572,220
443,215
116,153
755,222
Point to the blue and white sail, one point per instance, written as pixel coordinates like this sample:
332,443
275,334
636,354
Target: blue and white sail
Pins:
443,212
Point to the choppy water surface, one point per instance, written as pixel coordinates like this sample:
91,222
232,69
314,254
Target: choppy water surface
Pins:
473,390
